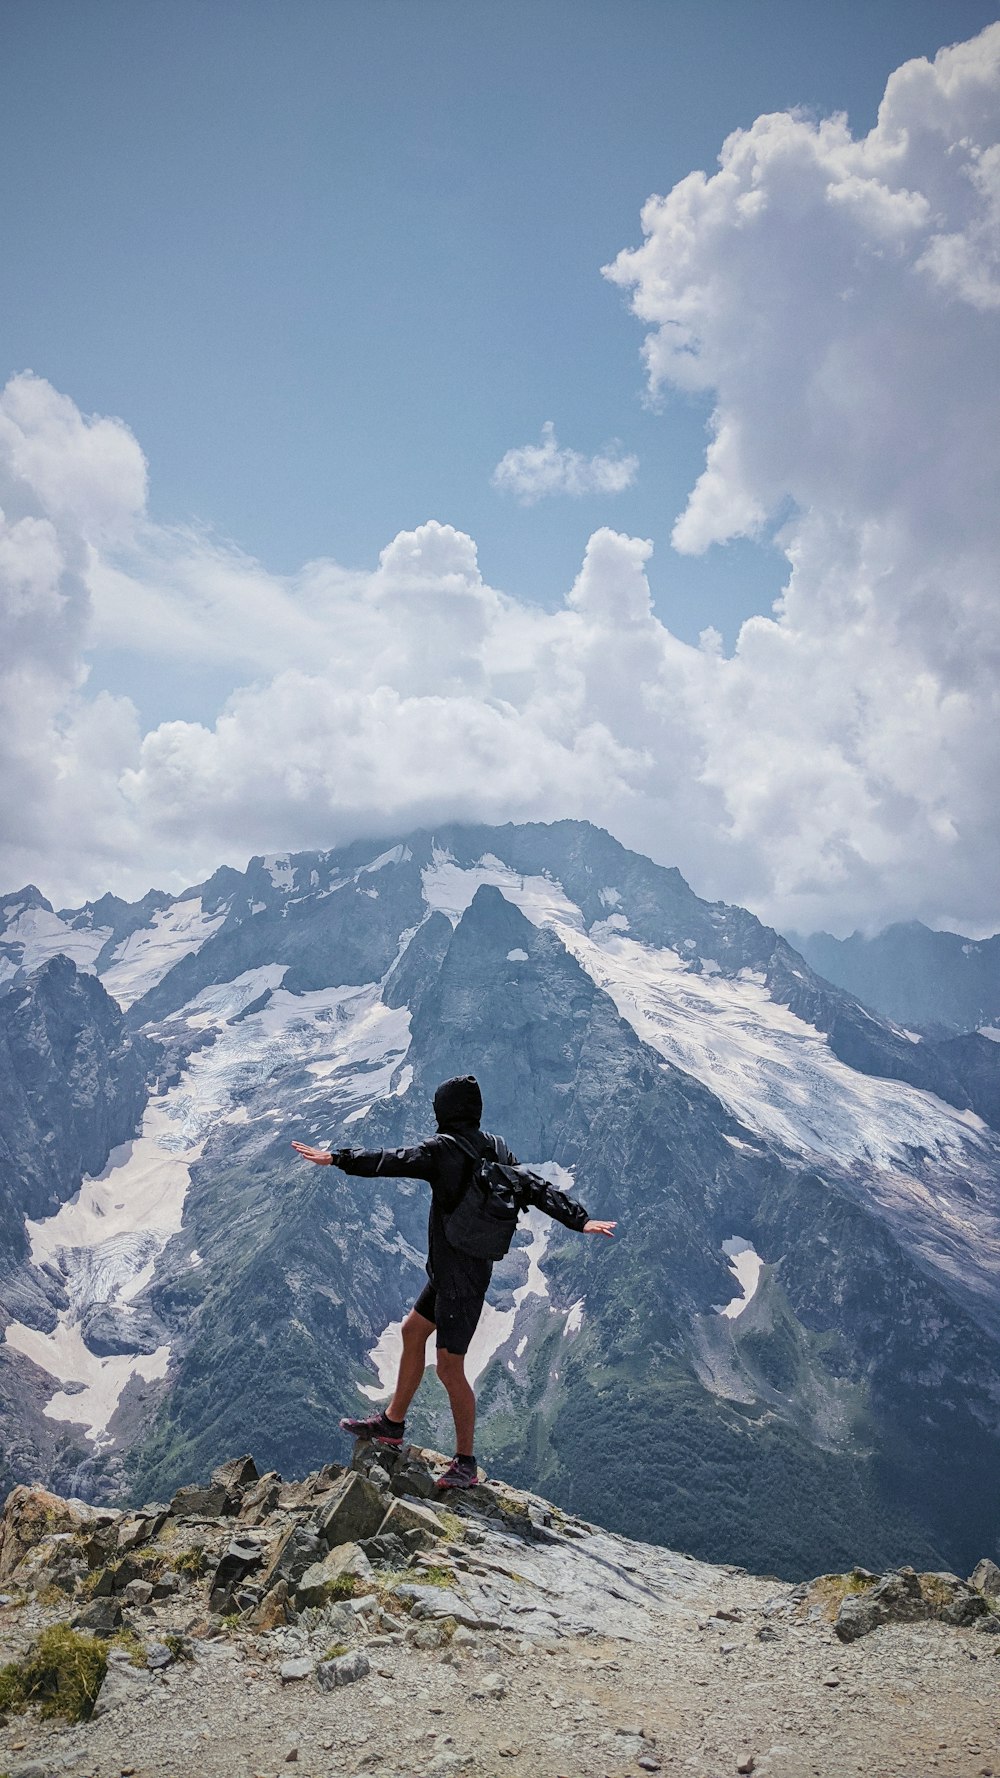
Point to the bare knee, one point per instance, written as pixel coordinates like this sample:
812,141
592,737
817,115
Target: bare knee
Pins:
450,1366
417,1329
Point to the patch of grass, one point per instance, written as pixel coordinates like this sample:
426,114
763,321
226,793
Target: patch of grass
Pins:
434,1576
51,1595
192,1562
335,1650
830,1590
385,1588
179,1646
128,1641
151,1562
61,1674
345,1586
454,1526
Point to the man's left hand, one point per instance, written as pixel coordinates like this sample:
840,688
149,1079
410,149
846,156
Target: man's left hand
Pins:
321,1156
599,1228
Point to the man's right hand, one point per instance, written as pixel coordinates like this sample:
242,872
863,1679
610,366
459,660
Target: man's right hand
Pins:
321,1156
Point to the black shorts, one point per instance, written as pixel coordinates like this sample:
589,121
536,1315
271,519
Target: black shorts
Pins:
455,1314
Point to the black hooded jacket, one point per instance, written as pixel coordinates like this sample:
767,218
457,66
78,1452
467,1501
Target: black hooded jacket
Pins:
458,1107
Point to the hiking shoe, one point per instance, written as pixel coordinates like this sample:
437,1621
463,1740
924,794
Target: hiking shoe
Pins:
459,1474
377,1428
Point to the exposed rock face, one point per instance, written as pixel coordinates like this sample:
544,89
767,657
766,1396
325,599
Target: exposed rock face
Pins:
906,1598
73,1084
31,1516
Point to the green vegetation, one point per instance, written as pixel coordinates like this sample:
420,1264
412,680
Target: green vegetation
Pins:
191,1562
130,1644
179,1646
723,1482
435,1576
61,1675
335,1650
830,1590
344,1587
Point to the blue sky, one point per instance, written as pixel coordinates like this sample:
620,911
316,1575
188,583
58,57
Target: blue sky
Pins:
323,267
330,261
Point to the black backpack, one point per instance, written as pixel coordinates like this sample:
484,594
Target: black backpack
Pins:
484,1221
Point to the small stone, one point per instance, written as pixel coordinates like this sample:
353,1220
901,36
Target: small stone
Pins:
648,1762
745,1763
158,1655
632,1730
291,1756
300,1667
831,1679
727,1648
138,1592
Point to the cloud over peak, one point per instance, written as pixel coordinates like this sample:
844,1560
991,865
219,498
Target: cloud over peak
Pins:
837,297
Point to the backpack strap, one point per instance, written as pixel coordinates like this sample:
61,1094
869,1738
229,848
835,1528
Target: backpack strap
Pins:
474,1154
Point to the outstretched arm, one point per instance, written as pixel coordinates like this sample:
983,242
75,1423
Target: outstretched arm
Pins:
406,1163
560,1207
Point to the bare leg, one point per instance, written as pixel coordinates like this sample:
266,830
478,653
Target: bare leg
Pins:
417,1331
451,1370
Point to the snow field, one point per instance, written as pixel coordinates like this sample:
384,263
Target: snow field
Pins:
36,934
107,1239
773,1071
143,959
746,1266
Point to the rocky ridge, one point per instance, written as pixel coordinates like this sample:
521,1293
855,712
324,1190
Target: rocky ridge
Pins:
485,1632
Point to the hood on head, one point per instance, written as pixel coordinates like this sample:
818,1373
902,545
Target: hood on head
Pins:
458,1101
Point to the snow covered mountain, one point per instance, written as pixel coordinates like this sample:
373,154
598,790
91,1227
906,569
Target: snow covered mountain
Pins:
785,1353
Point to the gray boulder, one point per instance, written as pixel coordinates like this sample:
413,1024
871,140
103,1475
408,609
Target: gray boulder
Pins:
344,1670
298,1549
985,1577
354,1509
904,1597
345,1563
952,1601
102,1616
122,1684
236,1476
241,1558
194,1502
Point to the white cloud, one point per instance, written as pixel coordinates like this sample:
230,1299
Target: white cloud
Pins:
837,299
531,472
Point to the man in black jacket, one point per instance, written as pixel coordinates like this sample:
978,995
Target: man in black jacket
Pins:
451,1301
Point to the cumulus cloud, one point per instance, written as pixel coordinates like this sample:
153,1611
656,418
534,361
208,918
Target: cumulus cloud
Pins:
838,299
532,472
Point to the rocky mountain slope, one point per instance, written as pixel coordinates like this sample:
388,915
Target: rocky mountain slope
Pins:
790,1345
356,1622
938,983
